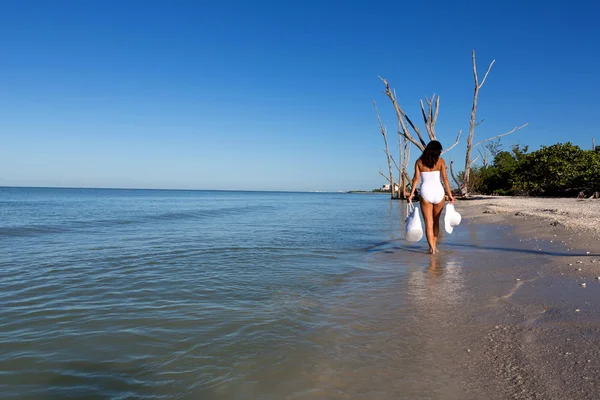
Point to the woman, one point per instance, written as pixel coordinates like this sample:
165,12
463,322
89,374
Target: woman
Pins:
431,167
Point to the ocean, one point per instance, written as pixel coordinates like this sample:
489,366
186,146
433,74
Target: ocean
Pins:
164,294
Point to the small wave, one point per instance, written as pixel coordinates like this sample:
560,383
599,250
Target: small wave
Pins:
77,225
32,230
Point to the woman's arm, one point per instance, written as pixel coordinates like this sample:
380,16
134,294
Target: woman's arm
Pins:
446,182
413,185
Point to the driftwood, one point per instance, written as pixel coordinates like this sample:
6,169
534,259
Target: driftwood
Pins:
583,197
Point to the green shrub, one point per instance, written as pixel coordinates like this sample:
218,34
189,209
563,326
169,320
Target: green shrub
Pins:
562,169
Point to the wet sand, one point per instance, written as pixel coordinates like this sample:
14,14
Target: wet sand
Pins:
499,313
532,328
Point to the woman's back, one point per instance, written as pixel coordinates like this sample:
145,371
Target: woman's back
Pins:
430,176
435,168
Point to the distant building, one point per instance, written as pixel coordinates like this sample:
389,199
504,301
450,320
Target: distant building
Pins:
387,186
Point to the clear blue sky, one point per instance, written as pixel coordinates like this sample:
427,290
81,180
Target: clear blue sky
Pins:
275,95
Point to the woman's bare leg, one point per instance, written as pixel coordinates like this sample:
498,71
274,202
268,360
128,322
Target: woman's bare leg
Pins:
427,211
437,212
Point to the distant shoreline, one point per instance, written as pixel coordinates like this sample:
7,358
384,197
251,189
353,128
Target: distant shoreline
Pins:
198,190
367,192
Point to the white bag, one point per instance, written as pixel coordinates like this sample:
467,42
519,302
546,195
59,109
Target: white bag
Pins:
414,229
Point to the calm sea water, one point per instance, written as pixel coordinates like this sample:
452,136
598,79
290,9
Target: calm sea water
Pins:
206,294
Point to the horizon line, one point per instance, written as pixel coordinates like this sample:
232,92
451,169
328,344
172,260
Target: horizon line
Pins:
175,189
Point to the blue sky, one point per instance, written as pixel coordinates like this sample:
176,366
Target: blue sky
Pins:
274,95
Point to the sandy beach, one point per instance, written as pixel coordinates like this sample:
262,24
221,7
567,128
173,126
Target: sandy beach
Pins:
532,329
580,216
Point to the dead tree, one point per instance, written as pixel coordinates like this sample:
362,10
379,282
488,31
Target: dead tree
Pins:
485,157
383,131
404,177
464,185
402,169
429,112
454,177
491,149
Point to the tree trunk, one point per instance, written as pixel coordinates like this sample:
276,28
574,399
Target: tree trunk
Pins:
464,187
383,131
404,157
467,175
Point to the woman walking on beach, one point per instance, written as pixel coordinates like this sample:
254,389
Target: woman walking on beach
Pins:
431,167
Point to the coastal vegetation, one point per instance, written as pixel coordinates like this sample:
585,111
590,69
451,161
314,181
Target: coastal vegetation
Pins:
562,169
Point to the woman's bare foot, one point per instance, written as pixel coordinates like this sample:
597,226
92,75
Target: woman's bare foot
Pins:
431,251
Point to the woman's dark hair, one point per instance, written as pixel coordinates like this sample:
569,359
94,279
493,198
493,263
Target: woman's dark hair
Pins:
431,154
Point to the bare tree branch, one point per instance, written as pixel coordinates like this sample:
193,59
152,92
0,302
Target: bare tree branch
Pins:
387,178
437,109
404,159
516,128
406,155
383,131
484,157
396,165
473,160
458,183
403,154
400,115
455,143
417,131
472,124
479,123
488,70
430,116
430,104
423,113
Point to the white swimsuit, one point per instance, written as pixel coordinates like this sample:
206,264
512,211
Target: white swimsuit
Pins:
431,187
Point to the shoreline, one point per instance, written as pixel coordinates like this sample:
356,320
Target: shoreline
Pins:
536,336
575,214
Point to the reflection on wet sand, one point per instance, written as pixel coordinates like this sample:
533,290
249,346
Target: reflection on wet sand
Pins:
434,270
441,284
